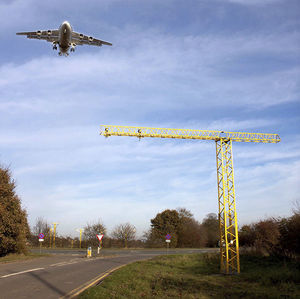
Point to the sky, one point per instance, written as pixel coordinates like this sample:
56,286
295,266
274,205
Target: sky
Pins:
230,65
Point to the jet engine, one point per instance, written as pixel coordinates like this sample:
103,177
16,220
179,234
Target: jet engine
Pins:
91,38
49,32
39,33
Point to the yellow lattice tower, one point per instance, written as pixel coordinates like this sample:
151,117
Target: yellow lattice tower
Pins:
229,244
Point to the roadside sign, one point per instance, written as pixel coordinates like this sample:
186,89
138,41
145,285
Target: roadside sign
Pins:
168,241
41,236
168,237
41,240
100,236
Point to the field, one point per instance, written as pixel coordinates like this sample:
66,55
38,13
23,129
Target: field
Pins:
196,276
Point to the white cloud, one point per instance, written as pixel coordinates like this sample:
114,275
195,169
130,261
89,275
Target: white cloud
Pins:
160,75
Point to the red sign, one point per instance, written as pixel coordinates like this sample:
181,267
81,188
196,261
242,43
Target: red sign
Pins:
41,236
99,237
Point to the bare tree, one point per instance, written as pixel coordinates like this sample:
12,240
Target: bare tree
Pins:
124,232
41,226
90,232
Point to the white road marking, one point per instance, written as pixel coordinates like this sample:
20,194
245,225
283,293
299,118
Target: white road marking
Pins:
17,273
74,261
58,264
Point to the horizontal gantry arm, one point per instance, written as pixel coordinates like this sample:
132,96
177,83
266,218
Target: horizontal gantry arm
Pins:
140,132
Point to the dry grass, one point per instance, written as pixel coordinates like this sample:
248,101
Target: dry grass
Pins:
196,276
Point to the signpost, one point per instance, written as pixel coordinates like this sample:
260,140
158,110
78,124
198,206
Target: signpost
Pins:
168,241
100,236
41,239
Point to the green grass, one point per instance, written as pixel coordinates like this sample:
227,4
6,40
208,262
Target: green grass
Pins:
20,257
196,276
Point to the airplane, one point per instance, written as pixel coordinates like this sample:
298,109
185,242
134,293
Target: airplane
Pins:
65,38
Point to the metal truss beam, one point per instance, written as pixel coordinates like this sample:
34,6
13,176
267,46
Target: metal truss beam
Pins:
229,244
140,132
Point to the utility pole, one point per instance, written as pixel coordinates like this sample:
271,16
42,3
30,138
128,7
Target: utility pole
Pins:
229,245
54,232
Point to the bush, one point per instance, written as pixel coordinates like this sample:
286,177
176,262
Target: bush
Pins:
274,236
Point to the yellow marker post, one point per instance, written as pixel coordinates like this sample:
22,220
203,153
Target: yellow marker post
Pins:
80,238
80,230
89,252
54,233
50,243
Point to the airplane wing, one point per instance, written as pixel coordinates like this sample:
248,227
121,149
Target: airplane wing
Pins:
48,35
81,39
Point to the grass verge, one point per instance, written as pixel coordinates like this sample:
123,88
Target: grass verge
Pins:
195,276
20,257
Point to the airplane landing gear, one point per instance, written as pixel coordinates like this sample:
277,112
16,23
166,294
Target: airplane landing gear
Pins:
54,46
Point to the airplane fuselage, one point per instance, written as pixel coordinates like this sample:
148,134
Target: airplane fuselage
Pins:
65,35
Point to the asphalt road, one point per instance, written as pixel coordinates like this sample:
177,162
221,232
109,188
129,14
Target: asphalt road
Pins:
64,275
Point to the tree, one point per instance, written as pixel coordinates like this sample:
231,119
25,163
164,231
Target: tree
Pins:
247,236
184,213
211,226
167,222
190,232
267,236
184,229
41,226
90,232
14,228
289,241
124,232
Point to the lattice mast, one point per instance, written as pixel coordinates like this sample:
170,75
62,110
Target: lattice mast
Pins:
229,245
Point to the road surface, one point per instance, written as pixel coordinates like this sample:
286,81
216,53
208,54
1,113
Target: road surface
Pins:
66,273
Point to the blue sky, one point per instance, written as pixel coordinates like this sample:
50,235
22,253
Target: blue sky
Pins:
215,64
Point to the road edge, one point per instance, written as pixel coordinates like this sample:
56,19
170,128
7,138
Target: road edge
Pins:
90,283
